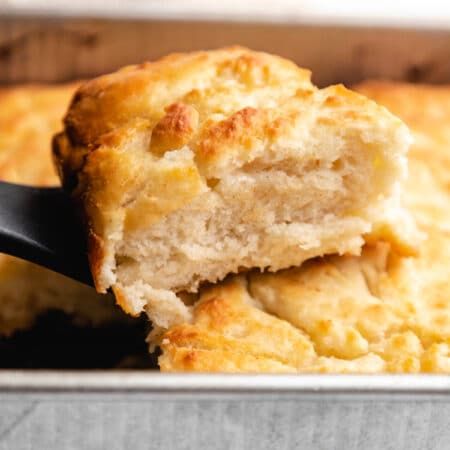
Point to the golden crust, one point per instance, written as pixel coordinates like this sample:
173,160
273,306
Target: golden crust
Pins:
175,129
145,90
231,333
219,106
379,312
29,116
226,324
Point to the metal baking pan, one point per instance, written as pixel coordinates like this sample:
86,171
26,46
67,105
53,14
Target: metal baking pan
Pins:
118,409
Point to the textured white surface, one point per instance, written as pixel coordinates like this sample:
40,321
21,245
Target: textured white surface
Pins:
117,410
228,424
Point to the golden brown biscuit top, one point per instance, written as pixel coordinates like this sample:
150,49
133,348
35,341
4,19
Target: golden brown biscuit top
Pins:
221,104
217,82
29,115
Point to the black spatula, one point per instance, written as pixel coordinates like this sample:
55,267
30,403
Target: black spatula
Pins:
39,225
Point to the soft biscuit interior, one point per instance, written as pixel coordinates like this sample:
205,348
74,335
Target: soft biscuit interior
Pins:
295,200
238,163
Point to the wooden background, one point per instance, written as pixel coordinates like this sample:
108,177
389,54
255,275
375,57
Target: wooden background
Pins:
60,49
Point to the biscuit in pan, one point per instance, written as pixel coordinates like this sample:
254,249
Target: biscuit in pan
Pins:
379,312
208,163
29,116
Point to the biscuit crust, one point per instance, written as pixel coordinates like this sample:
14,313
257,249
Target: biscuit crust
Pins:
29,116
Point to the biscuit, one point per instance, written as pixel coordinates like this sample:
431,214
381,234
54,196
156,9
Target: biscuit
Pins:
208,163
29,116
378,312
